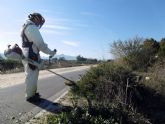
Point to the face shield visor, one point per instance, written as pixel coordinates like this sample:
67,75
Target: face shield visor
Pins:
41,22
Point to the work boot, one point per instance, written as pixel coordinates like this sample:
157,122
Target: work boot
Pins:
35,98
37,95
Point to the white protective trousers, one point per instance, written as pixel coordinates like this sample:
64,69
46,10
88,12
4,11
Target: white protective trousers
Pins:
30,80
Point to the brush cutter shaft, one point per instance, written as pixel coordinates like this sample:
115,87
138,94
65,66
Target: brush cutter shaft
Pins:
60,75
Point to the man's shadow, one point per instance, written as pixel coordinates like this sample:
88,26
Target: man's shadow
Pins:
50,106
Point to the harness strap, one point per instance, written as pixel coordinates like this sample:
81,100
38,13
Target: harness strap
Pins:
26,43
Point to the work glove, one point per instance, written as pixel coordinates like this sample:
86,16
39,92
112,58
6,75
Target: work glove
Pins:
52,53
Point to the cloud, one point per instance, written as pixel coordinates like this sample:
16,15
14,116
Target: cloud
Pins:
61,20
55,32
65,21
67,24
59,27
8,33
71,43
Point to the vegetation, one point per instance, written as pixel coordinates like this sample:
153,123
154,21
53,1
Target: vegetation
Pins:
10,66
137,53
162,47
82,60
129,90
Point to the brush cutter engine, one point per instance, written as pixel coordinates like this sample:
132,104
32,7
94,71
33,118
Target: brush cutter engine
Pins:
13,53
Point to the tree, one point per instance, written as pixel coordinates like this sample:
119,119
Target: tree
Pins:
121,48
80,58
136,53
152,45
54,59
62,59
162,47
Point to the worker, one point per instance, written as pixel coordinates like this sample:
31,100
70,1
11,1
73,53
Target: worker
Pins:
32,44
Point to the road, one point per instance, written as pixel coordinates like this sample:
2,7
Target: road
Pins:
15,109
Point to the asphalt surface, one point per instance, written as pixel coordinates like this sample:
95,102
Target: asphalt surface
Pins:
15,109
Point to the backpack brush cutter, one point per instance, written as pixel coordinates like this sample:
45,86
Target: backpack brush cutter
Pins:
15,53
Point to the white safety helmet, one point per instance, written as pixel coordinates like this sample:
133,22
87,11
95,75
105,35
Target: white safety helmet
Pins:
37,19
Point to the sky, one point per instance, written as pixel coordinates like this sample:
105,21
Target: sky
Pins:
84,27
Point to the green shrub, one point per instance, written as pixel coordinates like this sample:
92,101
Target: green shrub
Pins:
83,116
152,45
156,75
105,84
7,65
162,48
112,92
141,60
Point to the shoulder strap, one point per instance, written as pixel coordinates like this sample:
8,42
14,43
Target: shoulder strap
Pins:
24,37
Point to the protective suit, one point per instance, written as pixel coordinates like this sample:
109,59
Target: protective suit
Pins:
32,44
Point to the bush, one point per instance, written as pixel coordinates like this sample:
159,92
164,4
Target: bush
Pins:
136,53
106,83
78,117
112,92
141,60
152,45
83,116
156,75
162,48
8,65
